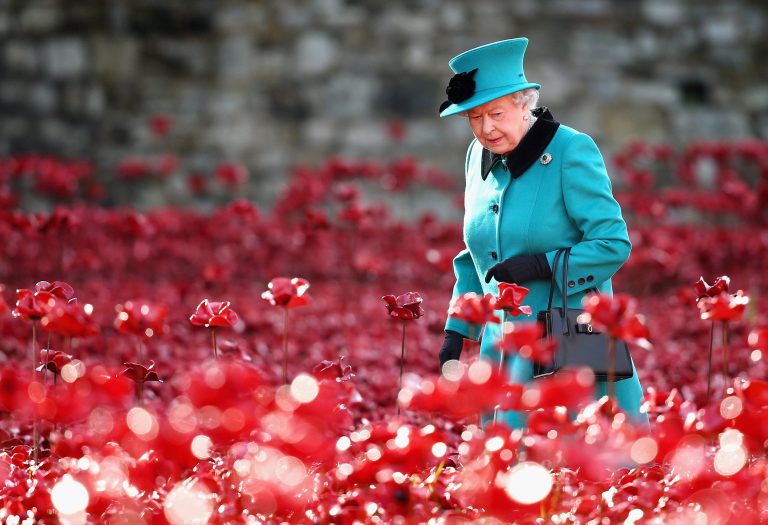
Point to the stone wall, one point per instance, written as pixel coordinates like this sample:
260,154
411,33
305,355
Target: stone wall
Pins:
272,83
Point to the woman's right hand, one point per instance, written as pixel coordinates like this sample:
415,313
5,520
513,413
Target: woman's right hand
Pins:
452,345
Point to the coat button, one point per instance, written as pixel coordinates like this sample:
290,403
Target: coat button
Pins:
571,284
494,255
590,278
495,208
581,280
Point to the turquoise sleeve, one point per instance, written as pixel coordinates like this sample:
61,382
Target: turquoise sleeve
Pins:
466,281
589,202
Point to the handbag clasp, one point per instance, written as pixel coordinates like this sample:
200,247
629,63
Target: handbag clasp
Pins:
585,328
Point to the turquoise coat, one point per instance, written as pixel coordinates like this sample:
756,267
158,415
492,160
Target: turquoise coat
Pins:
563,199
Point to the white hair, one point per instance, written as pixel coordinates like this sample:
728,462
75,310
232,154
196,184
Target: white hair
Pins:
528,96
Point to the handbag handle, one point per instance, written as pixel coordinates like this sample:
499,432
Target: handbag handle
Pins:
566,255
565,279
563,311
553,279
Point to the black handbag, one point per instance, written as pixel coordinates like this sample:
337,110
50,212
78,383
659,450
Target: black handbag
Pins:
578,343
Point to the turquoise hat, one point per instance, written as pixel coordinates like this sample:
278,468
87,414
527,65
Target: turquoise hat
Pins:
486,73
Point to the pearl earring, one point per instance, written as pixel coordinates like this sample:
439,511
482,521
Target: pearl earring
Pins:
526,117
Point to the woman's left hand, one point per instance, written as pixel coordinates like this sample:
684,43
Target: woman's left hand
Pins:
520,268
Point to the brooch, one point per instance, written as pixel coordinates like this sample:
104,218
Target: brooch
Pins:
546,158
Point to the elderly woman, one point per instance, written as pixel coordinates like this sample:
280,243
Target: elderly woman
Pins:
533,186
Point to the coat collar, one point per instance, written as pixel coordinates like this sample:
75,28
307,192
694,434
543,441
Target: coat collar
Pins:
529,149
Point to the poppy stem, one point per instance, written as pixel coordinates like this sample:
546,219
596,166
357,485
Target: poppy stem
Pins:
501,358
439,471
503,333
555,499
47,351
611,367
285,345
726,340
45,368
34,345
402,358
139,392
215,348
35,429
709,364
472,331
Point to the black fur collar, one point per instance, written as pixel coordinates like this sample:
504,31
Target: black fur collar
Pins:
530,148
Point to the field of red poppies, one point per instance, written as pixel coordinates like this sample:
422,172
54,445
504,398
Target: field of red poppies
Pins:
246,366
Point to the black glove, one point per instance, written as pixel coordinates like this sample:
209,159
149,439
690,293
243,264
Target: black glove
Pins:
452,346
520,268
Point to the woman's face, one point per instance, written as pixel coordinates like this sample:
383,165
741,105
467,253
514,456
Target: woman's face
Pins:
499,124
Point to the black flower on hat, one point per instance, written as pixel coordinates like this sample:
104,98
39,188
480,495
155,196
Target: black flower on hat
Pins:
460,88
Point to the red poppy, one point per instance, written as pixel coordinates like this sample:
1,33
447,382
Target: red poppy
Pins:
236,382
33,305
160,124
460,392
140,373
347,193
141,318
352,213
167,164
568,388
287,292
136,225
60,220
53,360
724,306
134,168
317,219
495,446
396,130
527,339
511,397
58,289
336,370
232,174
243,209
616,316
496,490
215,272
197,183
510,299
541,421
266,492
390,447
4,308
70,319
214,314
406,306
719,286
656,402
473,308
753,391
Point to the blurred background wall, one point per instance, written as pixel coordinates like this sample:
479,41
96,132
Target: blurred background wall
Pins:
275,83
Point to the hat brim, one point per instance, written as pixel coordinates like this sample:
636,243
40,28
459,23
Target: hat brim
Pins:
486,95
